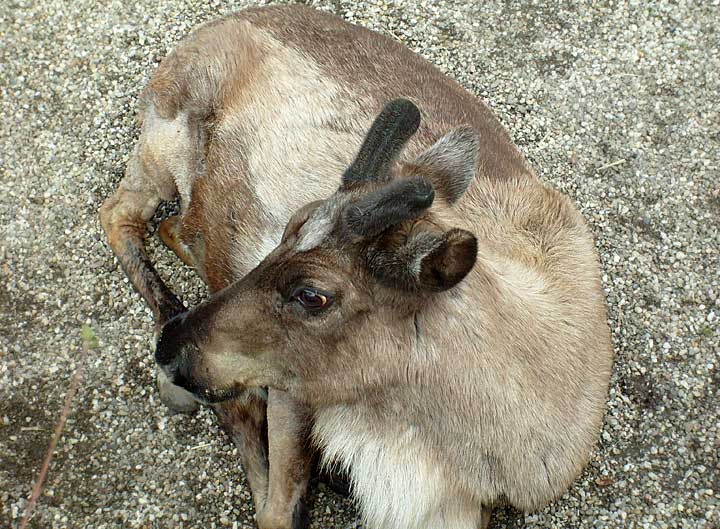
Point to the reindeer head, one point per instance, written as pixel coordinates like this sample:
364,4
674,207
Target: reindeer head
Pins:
348,276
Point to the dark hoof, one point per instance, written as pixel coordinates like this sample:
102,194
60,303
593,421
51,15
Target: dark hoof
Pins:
300,519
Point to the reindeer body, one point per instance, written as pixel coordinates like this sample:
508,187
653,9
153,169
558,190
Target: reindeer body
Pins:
285,96
490,391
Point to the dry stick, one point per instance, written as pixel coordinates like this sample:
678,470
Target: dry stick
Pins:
53,443
608,166
203,445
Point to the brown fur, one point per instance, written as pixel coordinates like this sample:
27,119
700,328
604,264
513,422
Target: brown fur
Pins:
489,390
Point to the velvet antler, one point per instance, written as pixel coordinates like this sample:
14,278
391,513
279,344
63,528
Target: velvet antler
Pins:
393,127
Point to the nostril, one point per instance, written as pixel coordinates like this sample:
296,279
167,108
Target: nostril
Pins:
171,340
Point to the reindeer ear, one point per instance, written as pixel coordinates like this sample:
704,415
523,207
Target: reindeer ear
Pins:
428,260
448,262
450,163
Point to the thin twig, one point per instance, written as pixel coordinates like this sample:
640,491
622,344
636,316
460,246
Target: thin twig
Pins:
203,445
89,342
608,166
53,443
547,135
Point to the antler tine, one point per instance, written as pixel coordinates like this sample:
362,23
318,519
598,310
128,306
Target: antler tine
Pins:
392,204
393,127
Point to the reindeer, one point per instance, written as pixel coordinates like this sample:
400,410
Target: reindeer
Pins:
390,282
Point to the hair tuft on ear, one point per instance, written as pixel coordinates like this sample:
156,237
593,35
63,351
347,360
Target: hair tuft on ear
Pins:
427,261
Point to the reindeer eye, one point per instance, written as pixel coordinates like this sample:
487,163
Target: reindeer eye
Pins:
311,299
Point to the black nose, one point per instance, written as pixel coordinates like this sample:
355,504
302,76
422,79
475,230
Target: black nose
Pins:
173,336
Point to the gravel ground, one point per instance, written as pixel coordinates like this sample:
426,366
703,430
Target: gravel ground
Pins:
615,105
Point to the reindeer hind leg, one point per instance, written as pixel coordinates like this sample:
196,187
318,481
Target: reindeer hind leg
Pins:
169,232
158,161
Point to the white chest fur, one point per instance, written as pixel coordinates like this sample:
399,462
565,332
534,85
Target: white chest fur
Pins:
394,481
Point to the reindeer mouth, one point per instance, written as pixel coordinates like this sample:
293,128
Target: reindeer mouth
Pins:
203,394
213,396
174,346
